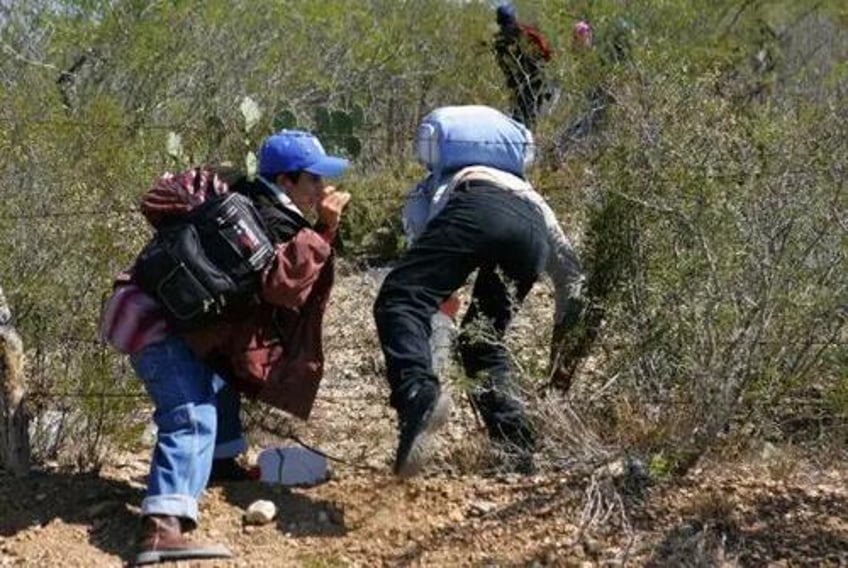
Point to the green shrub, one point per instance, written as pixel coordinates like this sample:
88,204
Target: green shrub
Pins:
707,207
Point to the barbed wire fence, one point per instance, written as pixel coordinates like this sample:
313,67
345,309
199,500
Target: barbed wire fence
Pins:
52,406
53,353
651,385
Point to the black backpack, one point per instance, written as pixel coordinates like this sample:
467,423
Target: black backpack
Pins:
207,267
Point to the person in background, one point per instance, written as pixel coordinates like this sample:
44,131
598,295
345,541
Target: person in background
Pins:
581,35
614,49
522,52
475,211
195,379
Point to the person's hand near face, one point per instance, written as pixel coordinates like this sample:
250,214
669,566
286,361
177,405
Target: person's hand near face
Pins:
330,206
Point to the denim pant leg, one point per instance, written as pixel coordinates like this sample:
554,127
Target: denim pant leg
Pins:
229,439
183,390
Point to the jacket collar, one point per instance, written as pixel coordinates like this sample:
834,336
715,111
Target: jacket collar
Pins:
279,195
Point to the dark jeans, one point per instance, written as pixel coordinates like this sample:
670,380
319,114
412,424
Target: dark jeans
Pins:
482,228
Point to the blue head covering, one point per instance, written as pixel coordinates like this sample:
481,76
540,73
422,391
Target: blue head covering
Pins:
505,14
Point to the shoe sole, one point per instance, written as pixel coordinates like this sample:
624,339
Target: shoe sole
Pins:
204,553
418,451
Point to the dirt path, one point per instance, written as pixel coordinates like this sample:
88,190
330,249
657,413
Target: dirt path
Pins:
738,517
784,511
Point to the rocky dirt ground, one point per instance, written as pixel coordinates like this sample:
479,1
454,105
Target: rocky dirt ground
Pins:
777,508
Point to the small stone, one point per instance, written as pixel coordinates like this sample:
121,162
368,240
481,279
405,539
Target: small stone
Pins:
770,452
480,508
260,513
323,517
615,469
148,437
591,546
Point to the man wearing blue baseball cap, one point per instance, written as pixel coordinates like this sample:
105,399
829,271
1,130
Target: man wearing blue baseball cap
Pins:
522,51
295,150
292,164
268,349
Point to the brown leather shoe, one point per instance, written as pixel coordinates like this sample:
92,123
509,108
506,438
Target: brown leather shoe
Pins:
163,540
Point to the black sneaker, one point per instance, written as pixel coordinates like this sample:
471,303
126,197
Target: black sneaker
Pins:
425,410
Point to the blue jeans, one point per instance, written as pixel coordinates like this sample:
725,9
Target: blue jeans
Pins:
197,416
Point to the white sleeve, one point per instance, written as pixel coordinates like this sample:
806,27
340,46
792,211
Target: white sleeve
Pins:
416,211
562,266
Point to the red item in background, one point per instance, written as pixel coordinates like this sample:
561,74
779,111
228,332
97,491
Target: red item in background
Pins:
450,307
538,39
582,34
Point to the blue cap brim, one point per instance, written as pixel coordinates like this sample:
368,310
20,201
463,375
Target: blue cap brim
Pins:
328,166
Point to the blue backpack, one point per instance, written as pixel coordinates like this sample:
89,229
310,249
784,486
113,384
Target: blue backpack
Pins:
453,137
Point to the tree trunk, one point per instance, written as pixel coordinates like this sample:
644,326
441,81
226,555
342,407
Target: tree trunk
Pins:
14,420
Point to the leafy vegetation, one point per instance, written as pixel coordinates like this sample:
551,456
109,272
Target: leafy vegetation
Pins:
708,203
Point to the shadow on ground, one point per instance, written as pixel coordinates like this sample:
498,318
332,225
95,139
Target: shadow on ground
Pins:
75,498
801,528
298,514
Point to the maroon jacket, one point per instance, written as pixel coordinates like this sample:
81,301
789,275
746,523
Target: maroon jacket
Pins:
274,353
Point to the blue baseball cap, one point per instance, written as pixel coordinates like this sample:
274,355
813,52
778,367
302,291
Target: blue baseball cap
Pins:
296,150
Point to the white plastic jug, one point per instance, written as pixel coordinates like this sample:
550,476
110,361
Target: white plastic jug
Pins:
441,342
292,466
444,332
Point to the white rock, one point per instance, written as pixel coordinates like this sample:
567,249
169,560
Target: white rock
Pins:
480,508
150,434
260,513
